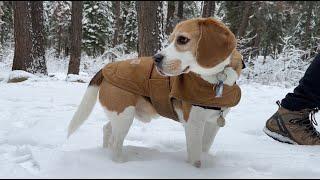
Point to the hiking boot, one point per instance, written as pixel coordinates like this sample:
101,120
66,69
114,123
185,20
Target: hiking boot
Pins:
293,127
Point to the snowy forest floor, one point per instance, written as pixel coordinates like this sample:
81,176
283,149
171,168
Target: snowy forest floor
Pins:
34,116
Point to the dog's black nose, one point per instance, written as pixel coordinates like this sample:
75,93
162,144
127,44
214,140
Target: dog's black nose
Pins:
158,58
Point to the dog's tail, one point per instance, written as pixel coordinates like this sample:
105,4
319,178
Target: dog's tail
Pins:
86,106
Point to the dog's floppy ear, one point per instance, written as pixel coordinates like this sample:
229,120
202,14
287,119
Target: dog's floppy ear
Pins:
216,43
236,61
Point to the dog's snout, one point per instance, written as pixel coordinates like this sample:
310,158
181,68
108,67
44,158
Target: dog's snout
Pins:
158,58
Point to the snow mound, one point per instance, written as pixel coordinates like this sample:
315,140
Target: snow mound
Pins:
19,76
81,78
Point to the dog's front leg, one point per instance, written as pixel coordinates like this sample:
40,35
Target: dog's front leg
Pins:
211,128
210,131
194,129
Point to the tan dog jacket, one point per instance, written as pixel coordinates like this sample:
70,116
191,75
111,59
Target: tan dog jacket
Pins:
139,76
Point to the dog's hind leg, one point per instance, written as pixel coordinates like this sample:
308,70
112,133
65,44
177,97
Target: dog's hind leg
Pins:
120,125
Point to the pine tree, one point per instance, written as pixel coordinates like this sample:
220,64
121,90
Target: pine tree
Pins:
305,27
232,14
6,27
97,27
192,9
273,29
57,25
130,26
245,19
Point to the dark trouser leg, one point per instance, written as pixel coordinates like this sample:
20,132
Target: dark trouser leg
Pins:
307,94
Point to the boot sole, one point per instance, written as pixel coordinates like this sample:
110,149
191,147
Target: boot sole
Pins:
279,137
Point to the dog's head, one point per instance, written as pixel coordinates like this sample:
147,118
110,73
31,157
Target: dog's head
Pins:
202,45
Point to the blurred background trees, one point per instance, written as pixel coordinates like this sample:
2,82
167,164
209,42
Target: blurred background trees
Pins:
263,28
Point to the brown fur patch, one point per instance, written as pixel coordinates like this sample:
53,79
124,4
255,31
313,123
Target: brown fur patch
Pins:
184,107
216,43
97,79
236,62
116,99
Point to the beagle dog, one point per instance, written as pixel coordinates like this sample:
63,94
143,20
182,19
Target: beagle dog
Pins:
203,46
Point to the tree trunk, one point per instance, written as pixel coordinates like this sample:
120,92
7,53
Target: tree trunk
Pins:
245,19
170,17
208,8
59,34
117,13
180,10
22,59
148,29
76,34
67,43
257,40
38,51
308,34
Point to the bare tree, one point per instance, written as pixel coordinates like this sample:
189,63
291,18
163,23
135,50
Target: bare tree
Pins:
76,35
38,51
208,8
22,59
149,40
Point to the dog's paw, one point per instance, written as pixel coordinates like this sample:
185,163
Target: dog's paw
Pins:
197,164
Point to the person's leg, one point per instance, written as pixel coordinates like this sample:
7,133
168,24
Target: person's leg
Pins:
307,94
292,123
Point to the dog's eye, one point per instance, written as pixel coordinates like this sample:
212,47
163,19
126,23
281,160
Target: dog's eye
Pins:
182,40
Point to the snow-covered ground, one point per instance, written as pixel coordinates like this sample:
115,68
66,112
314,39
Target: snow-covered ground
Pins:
34,116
